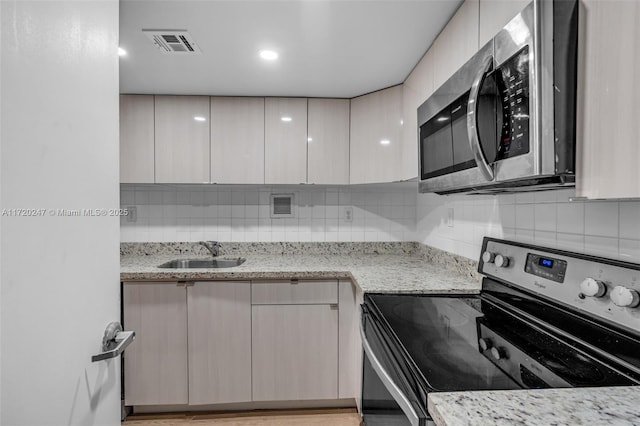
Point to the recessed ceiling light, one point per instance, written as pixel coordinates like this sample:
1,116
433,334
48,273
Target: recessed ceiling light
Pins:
286,119
121,51
385,142
268,55
199,118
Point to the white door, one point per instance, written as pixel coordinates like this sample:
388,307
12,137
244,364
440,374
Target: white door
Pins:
59,274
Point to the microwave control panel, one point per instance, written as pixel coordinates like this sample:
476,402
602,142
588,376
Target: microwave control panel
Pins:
512,80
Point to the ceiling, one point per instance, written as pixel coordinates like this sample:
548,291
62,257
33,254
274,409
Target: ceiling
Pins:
327,48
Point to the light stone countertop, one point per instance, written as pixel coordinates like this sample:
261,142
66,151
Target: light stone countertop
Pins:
373,273
577,406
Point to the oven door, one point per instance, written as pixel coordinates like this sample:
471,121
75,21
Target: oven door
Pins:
389,393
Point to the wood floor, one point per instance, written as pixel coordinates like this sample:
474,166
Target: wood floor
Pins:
320,417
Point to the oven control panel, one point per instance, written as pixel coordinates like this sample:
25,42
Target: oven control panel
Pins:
605,288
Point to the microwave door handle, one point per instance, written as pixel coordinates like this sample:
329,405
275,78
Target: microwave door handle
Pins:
387,381
472,122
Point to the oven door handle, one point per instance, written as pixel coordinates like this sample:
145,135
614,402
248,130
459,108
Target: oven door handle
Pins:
472,121
388,383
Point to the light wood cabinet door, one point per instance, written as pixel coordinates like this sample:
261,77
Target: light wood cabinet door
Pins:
608,111
219,342
182,139
349,342
237,140
155,365
495,14
295,352
328,141
136,139
456,43
285,140
376,137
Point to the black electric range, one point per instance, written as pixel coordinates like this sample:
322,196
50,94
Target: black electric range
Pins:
544,318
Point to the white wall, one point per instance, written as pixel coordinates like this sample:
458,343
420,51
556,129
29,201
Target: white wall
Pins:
609,229
241,213
60,275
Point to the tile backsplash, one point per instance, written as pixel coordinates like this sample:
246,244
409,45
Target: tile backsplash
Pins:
549,218
389,212
239,213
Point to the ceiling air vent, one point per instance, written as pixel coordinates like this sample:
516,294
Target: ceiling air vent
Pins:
282,205
172,41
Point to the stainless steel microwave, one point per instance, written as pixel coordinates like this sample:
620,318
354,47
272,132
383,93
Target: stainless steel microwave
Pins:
506,120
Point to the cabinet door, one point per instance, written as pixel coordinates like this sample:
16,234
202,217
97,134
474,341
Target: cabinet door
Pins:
457,42
285,140
136,139
219,342
376,137
295,352
155,365
182,139
328,141
349,343
608,109
237,140
495,14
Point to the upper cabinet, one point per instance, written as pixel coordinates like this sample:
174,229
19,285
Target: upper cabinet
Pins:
136,139
607,117
457,42
237,140
376,137
328,141
182,139
285,140
495,14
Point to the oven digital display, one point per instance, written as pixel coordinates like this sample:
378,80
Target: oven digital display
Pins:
547,263
546,267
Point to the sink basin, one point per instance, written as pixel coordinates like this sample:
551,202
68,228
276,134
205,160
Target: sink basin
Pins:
202,263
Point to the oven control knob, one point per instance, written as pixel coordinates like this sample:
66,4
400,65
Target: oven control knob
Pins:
488,257
498,353
593,288
485,344
625,297
502,261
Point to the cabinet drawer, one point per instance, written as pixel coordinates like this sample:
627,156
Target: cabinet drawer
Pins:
294,292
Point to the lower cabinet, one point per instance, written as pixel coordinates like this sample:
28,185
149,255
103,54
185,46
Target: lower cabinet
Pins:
219,316
220,342
156,364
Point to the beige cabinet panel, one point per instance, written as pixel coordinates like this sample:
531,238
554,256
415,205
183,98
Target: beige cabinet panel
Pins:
495,14
155,365
608,112
136,139
294,292
237,140
182,139
376,137
328,137
295,352
349,343
456,43
415,90
219,342
285,143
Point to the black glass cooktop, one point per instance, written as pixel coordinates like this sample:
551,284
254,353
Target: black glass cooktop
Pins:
440,335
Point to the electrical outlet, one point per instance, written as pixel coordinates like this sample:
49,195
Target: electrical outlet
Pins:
348,214
450,217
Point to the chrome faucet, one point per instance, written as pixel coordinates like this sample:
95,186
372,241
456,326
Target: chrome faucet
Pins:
212,246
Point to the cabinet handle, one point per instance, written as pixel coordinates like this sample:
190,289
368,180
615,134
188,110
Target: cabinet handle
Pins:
185,284
294,281
333,306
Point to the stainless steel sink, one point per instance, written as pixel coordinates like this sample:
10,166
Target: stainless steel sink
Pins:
202,263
